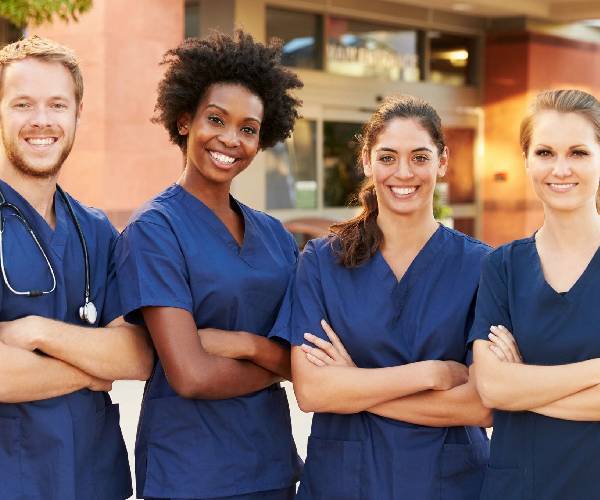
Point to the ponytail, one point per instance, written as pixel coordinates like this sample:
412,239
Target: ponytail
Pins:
358,239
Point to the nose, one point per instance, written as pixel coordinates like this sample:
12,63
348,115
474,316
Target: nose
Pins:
229,138
40,117
562,168
404,170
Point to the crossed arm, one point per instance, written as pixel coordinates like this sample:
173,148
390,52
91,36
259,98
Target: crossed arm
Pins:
42,358
212,364
433,393
569,392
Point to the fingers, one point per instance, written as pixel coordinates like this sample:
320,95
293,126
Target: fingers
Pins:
335,340
504,340
499,353
325,346
314,353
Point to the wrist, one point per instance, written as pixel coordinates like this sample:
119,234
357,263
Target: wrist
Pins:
432,375
36,333
248,346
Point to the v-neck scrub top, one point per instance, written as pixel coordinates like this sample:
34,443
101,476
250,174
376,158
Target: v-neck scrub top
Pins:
177,253
534,457
68,447
384,322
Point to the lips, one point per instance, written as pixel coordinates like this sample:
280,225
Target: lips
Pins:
561,187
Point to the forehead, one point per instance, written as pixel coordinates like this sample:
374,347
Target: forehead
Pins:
236,99
556,129
37,78
404,134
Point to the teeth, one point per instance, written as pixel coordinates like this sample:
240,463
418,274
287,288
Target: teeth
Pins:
403,191
221,157
41,141
562,187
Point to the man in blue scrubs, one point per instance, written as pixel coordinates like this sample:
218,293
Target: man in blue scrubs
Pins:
59,432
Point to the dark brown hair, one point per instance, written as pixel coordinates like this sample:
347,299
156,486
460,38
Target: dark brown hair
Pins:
562,101
360,237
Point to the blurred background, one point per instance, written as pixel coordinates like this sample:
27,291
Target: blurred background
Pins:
477,61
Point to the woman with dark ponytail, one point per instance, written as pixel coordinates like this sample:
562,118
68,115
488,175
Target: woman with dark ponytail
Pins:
396,415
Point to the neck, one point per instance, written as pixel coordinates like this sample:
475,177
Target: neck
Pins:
214,196
571,229
406,232
38,191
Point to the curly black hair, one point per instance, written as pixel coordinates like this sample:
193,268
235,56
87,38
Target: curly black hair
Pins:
196,64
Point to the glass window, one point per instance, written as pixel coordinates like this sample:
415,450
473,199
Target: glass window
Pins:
343,174
357,48
9,33
192,18
292,169
302,36
452,59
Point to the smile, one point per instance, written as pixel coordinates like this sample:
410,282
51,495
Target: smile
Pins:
41,141
222,158
402,192
561,188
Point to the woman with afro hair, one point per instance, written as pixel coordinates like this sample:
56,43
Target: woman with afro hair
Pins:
206,274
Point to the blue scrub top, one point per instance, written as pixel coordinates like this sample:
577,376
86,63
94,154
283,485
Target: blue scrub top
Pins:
177,253
68,447
533,456
384,322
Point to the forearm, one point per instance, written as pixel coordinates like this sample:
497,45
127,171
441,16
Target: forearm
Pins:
27,376
116,352
269,355
458,406
517,387
341,389
220,378
581,406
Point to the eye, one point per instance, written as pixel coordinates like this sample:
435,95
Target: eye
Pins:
215,119
420,158
59,105
580,153
21,105
386,159
249,130
543,153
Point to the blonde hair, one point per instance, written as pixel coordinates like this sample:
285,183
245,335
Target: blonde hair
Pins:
46,50
562,101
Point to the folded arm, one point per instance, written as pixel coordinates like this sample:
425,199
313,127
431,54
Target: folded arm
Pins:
27,376
190,370
118,351
248,346
582,406
513,386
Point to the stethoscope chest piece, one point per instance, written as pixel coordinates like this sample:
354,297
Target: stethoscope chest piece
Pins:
88,313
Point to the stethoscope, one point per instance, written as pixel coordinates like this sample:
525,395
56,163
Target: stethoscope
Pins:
87,312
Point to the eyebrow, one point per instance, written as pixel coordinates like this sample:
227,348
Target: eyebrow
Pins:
570,147
392,150
225,112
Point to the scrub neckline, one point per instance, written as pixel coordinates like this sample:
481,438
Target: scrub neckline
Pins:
220,228
579,282
420,260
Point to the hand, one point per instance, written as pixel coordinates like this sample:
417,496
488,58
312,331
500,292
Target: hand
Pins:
326,353
504,345
226,344
449,374
99,385
22,333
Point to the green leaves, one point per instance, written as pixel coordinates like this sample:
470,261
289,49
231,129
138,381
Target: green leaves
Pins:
36,12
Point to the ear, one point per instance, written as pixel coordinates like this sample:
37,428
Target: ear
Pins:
443,166
366,162
183,124
525,159
79,111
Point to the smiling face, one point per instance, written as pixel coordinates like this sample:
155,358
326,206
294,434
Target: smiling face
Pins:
404,163
563,160
38,115
223,135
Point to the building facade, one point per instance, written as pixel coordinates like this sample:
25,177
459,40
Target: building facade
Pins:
478,62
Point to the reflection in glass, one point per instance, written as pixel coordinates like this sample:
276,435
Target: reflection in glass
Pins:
302,35
357,48
342,172
292,169
452,59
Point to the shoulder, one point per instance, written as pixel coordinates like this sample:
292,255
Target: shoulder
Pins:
268,225
92,218
504,259
158,209
467,242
